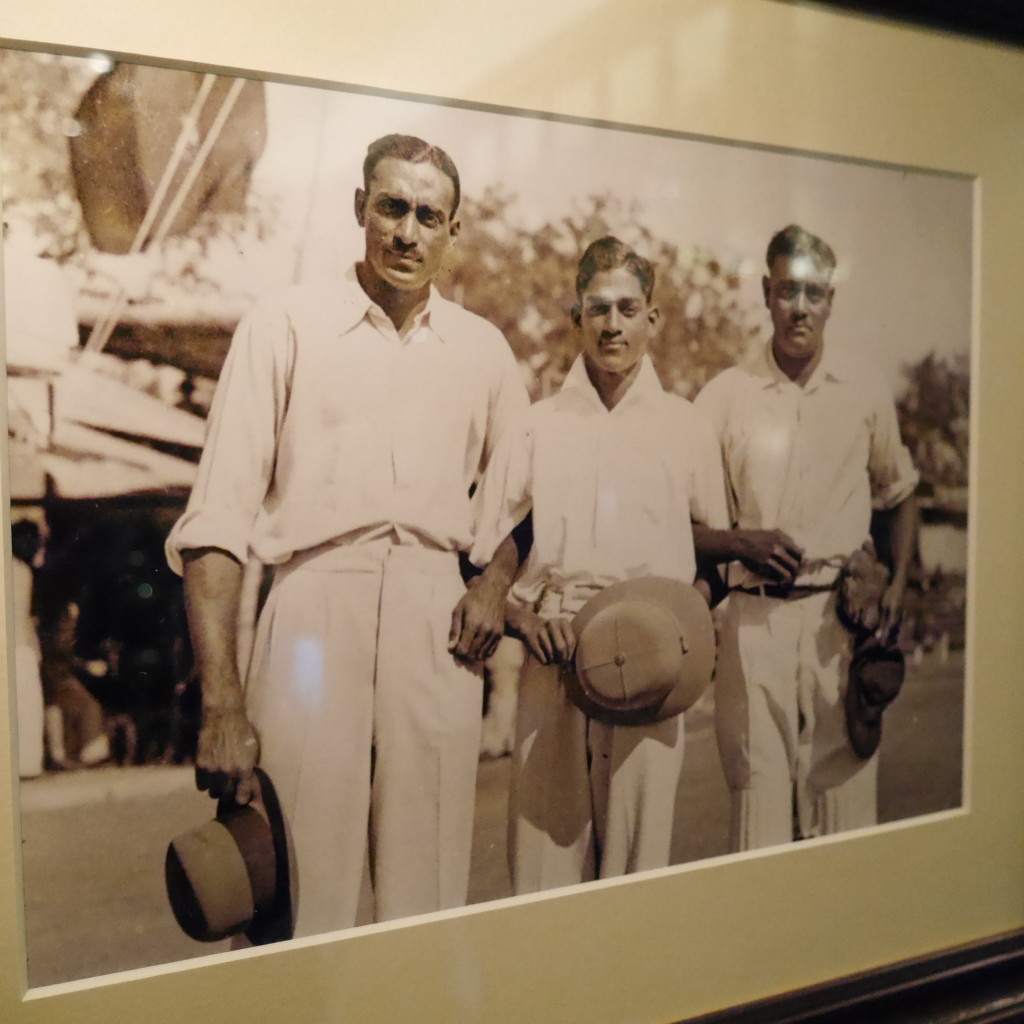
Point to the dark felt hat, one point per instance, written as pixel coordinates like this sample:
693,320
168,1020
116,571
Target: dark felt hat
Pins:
645,651
873,683
235,873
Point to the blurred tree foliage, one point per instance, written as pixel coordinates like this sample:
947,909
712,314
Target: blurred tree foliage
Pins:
934,414
523,281
39,93
519,278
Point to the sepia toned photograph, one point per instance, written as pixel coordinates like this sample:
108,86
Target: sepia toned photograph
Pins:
471,503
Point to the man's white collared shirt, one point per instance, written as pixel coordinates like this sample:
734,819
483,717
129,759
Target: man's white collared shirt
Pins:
612,491
812,461
327,426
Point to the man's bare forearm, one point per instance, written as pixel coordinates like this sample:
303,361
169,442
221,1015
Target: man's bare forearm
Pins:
903,538
900,538
502,569
713,547
772,553
213,587
227,747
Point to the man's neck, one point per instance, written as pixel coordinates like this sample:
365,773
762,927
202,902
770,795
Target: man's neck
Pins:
799,371
401,307
611,388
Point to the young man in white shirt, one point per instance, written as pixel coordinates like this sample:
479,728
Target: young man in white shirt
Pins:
350,422
612,469
811,446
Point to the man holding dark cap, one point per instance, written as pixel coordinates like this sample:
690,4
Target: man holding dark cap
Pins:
811,447
351,421
612,469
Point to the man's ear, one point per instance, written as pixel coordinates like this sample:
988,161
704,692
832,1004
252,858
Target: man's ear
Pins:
653,318
360,207
454,229
766,287
576,315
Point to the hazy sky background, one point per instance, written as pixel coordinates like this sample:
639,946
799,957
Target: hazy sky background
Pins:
903,238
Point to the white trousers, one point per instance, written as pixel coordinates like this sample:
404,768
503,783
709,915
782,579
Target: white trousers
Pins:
779,690
587,800
369,729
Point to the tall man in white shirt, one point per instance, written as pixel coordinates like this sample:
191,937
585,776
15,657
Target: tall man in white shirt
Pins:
811,446
612,469
350,422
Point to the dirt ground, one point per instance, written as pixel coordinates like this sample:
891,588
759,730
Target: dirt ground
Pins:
94,841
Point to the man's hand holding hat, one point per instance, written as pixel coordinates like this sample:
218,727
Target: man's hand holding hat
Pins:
226,754
550,641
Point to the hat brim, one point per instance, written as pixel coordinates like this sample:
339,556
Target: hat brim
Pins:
276,922
697,635
864,711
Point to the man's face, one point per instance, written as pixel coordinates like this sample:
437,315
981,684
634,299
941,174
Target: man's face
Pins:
404,214
798,295
616,322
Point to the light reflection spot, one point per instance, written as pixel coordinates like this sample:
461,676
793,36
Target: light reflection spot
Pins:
309,670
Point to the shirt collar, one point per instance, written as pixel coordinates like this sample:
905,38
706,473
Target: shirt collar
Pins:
645,385
356,305
833,367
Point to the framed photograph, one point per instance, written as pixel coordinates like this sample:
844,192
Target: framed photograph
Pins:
157,184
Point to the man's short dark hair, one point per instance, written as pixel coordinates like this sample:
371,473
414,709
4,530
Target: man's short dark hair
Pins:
416,151
609,253
797,241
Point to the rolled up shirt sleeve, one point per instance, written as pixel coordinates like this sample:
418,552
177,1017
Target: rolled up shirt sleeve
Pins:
707,492
236,468
509,400
890,468
711,404
505,494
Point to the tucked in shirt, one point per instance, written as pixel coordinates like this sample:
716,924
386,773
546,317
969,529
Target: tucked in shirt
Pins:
612,491
328,427
812,461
